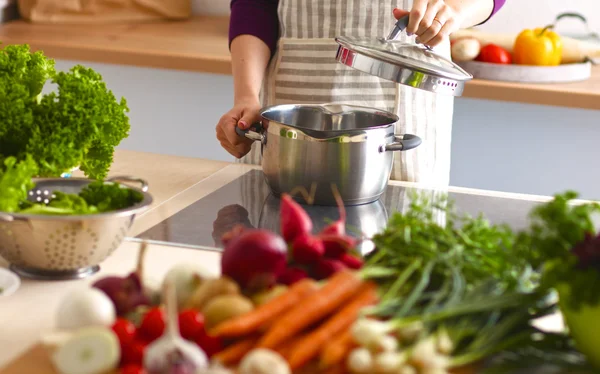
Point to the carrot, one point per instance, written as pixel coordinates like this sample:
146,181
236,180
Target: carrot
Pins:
335,351
336,324
235,352
251,322
338,369
339,288
286,348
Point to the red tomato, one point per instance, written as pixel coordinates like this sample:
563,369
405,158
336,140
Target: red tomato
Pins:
133,354
191,324
209,344
153,324
494,54
133,369
125,331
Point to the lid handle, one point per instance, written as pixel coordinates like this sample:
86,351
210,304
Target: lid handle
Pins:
401,24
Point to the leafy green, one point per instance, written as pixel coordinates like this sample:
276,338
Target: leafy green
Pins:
15,182
22,77
472,245
79,124
468,278
96,197
562,243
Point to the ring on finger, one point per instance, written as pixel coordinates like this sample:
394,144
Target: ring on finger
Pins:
438,21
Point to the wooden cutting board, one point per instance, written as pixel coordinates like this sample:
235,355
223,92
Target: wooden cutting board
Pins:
529,74
36,361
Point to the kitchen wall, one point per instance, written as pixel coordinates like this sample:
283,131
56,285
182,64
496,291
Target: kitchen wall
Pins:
499,146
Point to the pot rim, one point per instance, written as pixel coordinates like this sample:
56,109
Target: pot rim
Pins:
393,118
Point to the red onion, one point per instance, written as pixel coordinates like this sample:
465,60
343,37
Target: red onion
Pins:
254,259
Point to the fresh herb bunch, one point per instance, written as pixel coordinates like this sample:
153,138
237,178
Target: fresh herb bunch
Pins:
78,125
96,197
473,246
467,279
562,243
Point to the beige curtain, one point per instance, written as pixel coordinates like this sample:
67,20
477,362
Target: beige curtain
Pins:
103,11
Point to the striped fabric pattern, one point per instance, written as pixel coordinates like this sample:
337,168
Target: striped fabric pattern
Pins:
304,70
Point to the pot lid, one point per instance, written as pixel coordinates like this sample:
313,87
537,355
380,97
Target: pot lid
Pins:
402,62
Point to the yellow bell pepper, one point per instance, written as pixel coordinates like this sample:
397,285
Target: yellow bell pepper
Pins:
540,46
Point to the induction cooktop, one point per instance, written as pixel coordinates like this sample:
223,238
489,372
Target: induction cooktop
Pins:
247,201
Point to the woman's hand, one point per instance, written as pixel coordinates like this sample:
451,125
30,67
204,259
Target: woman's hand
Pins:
245,112
431,20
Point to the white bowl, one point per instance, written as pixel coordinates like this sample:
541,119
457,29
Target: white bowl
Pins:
9,282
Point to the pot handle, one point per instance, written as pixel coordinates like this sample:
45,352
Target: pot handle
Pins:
402,143
256,136
6,217
126,178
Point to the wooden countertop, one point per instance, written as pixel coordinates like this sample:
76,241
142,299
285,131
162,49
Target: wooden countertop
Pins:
201,45
174,188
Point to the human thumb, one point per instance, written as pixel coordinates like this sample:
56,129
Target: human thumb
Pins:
248,119
399,13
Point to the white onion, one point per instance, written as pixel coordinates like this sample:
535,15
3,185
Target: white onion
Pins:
92,350
85,307
360,361
186,278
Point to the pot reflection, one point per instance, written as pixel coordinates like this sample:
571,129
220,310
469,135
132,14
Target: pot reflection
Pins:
361,220
227,218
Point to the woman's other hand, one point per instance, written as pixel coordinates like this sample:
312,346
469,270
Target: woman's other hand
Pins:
244,114
432,21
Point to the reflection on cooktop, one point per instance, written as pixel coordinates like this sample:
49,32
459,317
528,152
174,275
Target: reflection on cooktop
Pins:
247,200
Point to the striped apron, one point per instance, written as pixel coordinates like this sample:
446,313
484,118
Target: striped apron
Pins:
304,71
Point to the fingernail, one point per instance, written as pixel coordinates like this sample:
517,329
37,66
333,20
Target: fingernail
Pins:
243,124
409,34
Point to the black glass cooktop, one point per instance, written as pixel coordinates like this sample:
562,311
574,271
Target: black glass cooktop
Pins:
247,200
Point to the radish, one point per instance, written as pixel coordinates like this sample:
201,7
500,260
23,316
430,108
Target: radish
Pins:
326,267
91,350
292,275
351,261
127,293
336,246
337,228
294,220
255,259
85,307
307,249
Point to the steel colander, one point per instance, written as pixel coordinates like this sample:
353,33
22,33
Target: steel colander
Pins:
65,247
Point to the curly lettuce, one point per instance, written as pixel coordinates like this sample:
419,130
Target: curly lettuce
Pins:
78,124
15,182
96,197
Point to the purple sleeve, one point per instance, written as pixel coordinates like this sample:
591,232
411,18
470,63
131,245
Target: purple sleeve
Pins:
498,4
255,17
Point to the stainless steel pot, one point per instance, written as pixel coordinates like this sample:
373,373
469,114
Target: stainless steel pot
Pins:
349,146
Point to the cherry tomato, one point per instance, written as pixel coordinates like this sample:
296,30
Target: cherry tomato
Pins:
125,331
133,369
191,324
133,353
209,344
153,324
494,54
